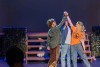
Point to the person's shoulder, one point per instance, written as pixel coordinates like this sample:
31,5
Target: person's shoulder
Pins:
73,27
50,30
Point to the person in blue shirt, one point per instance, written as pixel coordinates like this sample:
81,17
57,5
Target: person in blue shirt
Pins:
65,44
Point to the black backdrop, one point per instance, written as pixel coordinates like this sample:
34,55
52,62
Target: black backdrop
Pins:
33,14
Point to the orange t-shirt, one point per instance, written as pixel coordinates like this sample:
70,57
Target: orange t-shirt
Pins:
76,36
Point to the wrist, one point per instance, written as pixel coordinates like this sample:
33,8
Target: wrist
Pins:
66,15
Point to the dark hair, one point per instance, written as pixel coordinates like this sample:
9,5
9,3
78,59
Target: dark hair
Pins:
49,22
14,55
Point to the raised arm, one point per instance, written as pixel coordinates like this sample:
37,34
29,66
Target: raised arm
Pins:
69,21
64,19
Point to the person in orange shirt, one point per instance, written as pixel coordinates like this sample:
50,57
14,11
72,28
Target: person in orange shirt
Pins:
77,43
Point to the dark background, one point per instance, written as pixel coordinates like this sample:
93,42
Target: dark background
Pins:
33,14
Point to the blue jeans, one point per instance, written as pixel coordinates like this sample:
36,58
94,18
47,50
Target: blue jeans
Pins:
65,49
78,49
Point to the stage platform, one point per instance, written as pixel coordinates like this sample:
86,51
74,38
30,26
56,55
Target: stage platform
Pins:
95,63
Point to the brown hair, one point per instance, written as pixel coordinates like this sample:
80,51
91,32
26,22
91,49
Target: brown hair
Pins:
82,26
49,22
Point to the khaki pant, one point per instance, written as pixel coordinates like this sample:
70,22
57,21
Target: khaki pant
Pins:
54,55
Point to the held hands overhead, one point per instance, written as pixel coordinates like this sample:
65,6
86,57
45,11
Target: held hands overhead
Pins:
65,13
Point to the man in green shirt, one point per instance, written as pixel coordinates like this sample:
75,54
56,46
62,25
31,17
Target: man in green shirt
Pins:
54,39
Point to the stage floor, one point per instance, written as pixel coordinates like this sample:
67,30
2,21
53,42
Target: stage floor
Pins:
95,63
